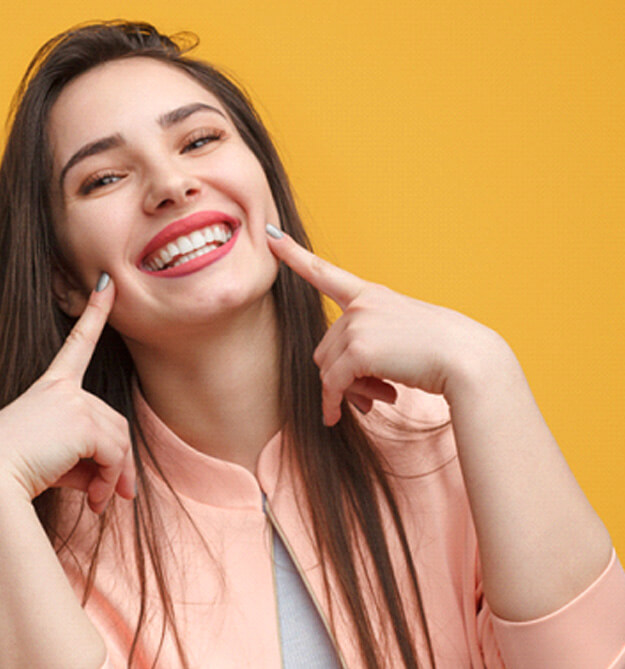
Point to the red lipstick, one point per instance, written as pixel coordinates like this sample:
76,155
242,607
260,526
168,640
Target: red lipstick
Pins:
183,227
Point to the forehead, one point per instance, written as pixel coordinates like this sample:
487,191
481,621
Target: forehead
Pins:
123,96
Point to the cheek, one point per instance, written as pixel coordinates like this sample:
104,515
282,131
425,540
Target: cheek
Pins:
86,248
242,178
263,191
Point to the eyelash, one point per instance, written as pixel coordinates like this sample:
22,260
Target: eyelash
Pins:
199,139
203,136
97,181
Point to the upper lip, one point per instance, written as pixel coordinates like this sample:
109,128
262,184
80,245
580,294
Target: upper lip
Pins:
184,226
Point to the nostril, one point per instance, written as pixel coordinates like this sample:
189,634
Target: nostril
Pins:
163,204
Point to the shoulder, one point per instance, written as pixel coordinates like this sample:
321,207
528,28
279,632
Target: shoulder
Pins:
415,434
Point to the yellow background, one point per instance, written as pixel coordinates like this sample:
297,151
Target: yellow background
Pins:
468,153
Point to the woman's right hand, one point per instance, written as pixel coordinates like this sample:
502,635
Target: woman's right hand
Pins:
57,434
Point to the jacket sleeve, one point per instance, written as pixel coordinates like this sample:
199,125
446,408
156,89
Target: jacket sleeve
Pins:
586,633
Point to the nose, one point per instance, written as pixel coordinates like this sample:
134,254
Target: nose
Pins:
170,188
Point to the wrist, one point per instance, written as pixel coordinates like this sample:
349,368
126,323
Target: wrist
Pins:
12,488
485,367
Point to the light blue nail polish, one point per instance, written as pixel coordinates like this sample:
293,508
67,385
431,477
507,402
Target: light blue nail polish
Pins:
274,232
103,282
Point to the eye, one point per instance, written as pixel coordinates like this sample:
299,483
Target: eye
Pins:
201,138
99,180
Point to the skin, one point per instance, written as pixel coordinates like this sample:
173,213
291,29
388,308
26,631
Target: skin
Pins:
159,175
540,541
85,446
209,339
224,314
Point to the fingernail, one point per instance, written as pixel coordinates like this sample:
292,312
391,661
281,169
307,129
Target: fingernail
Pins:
274,232
103,282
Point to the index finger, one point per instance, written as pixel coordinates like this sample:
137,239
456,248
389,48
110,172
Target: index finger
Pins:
73,357
334,282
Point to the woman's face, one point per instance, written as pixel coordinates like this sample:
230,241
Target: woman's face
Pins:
149,170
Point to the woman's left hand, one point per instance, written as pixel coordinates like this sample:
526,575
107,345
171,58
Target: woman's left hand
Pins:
530,514
384,336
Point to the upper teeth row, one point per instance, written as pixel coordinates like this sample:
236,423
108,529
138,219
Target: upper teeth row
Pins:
195,240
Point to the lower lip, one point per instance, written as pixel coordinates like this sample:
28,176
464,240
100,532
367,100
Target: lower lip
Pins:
198,263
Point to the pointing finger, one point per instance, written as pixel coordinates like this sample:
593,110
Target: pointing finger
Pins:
334,282
73,358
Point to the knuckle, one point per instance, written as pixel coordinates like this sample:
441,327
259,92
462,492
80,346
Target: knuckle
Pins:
120,452
351,329
333,382
123,435
374,293
357,349
110,457
327,381
355,307
118,444
86,423
124,445
95,309
79,337
121,423
50,383
318,266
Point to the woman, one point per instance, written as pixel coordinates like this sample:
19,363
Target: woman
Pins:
205,409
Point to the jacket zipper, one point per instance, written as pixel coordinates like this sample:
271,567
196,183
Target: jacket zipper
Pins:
276,528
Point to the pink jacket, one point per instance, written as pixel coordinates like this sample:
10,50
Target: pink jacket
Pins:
225,602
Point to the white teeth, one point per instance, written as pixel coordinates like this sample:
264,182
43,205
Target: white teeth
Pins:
195,254
184,244
197,239
173,250
187,247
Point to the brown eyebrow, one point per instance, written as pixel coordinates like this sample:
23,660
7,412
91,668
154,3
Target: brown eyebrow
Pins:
91,149
180,114
113,141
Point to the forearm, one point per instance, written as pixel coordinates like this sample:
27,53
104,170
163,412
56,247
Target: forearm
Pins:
541,543
41,621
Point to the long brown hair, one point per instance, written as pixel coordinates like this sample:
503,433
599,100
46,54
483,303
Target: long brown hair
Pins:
346,485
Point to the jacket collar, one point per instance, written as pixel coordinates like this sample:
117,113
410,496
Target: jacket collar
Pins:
203,478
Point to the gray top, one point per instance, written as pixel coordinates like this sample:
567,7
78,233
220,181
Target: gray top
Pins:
304,639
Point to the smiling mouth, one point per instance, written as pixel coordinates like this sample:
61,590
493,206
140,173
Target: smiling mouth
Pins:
187,247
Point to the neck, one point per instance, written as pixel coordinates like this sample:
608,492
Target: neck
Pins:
219,390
